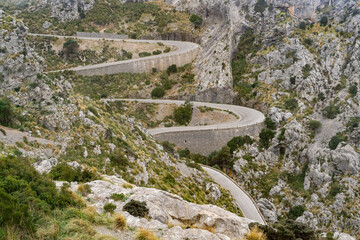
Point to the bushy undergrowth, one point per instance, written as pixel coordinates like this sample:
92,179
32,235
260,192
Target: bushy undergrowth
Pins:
64,172
136,208
182,114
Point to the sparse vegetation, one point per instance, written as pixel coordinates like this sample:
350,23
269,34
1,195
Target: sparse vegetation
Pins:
196,20
109,207
144,234
336,140
314,125
331,111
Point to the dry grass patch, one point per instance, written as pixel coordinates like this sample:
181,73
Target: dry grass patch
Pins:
120,222
144,234
255,234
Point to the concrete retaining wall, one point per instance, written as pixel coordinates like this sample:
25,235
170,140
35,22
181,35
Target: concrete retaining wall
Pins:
207,141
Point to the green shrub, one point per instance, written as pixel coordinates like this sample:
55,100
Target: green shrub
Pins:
314,125
64,172
119,159
324,21
321,96
144,54
335,189
158,92
336,140
260,6
6,112
306,71
308,42
196,20
182,114
331,111
184,153
222,158
296,212
172,69
119,197
157,52
353,90
352,123
136,208
302,25
93,111
168,147
270,124
109,207
70,48
237,142
266,135
291,104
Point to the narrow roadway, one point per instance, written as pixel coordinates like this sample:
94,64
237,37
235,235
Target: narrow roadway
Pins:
246,116
182,47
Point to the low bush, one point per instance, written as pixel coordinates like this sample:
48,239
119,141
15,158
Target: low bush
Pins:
136,208
302,25
158,92
109,207
306,70
64,172
222,158
336,140
172,69
314,125
119,197
296,212
324,21
291,104
260,6
144,54
157,52
270,124
182,114
331,111
184,153
6,112
196,20
353,90
168,147
237,142
266,135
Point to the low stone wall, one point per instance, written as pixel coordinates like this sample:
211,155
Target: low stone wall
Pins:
207,141
101,35
140,65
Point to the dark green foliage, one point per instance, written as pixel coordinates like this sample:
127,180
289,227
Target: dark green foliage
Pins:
260,6
118,159
321,96
331,111
266,135
184,153
109,207
314,125
70,48
168,147
293,80
308,42
157,52
6,112
306,71
196,20
353,90
237,142
296,212
182,114
324,21
25,195
158,92
291,104
144,54
287,230
335,189
336,140
94,111
270,124
172,69
302,25
221,158
352,123
136,208
64,172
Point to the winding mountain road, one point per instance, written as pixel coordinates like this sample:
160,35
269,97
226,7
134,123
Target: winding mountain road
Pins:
185,53
246,117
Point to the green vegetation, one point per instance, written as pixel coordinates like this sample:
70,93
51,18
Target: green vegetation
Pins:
119,197
26,197
158,92
136,208
306,70
314,125
302,25
6,112
260,6
70,48
266,135
353,90
64,172
144,54
237,142
352,124
222,158
286,230
336,140
196,20
172,69
296,212
324,21
291,104
182,114
270,124
331,111
109,207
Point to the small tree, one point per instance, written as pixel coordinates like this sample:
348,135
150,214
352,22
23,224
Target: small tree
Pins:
182,114
6,112
266,135
158,92
260,6
314,125
70,48
196,20
172,69
302,25
324,21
